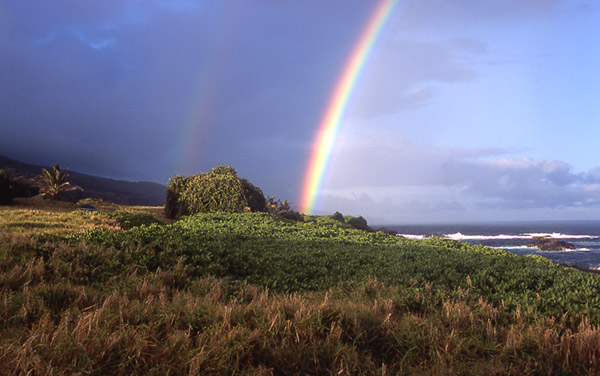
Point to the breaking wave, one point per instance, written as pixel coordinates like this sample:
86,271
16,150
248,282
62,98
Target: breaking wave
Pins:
464,237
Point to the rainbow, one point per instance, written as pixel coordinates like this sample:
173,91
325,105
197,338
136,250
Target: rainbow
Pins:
329,125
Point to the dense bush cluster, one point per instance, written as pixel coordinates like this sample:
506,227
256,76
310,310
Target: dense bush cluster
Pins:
283,209
358,223
218,190
6,194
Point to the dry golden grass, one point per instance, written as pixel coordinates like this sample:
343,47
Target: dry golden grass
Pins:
214,327
157,212
75,308
36,217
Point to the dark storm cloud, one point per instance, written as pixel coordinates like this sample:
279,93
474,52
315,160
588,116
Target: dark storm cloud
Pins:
110,87
73,95
131,89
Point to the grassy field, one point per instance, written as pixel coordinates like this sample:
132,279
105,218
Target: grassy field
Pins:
36,216
121,291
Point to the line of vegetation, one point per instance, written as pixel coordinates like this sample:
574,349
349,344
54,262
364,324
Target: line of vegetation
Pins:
319,253
118,291
104,304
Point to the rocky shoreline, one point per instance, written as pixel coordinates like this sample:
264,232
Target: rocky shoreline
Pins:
550,244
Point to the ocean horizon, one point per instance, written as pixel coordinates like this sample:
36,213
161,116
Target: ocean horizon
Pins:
515,236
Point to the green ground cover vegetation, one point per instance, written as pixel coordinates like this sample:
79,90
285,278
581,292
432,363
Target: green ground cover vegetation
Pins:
123,291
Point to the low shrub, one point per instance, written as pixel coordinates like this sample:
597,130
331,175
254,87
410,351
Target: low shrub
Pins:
359,223
128,221
283,209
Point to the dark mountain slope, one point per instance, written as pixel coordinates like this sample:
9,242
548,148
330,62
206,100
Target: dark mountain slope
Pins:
118,191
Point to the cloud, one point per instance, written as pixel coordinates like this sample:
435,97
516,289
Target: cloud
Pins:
592,176
404,73
113,87
124,89
450,16
413,58
400,206
426,179
524,182
384,157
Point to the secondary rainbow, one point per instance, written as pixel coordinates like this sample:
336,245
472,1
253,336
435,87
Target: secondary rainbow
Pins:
329,125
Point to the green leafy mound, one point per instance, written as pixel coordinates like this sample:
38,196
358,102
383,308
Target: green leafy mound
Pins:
218,190
320,253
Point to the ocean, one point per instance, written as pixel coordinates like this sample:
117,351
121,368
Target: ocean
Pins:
515,236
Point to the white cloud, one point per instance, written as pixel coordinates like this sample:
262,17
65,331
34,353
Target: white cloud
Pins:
403,73
381,174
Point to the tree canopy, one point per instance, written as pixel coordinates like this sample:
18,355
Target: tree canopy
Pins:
218,190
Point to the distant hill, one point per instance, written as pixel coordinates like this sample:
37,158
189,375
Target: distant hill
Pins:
118,191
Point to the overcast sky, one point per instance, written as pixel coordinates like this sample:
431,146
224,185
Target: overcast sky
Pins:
466,110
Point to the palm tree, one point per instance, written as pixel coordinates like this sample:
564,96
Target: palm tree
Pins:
54,181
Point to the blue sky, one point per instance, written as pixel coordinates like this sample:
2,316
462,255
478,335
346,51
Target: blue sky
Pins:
466,110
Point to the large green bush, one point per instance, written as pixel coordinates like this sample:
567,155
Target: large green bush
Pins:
218,190
6,194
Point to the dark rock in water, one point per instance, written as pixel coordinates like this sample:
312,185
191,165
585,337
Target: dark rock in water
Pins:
89,208
549,244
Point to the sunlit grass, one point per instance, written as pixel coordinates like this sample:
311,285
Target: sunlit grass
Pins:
37,217
145,325
71,307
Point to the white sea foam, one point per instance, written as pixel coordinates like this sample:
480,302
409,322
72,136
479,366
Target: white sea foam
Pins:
412,236
564,250
535,248
513,247
462,237
558,235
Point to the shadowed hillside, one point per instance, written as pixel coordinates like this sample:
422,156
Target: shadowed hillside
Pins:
26,177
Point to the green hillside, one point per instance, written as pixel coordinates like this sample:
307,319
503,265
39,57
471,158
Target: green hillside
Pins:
251,293
117,191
